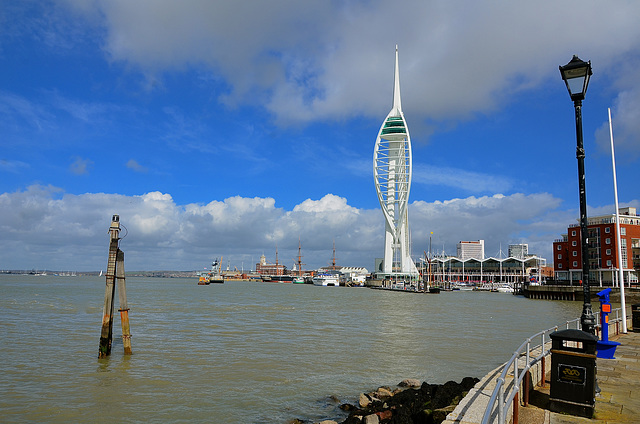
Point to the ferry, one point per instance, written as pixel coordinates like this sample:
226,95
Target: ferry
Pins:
326,279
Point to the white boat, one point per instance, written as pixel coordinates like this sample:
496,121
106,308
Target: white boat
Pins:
326,280
504,288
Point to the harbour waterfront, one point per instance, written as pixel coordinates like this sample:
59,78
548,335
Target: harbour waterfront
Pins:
242,352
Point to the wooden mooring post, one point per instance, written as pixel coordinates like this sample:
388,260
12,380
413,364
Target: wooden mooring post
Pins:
115,274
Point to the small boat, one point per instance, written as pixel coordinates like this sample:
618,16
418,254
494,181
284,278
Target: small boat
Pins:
277,278
326,279
213,276
504,288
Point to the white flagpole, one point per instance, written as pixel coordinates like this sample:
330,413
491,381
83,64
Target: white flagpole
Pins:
620,264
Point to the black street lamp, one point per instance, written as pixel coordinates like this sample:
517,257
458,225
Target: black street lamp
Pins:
576,75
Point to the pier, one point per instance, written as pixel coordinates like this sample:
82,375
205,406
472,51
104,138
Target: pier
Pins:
553,292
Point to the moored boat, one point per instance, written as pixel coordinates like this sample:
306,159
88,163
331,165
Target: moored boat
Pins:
504,288
277,278
213,276
326,279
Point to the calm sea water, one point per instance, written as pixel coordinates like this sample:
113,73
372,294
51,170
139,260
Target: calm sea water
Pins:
241,352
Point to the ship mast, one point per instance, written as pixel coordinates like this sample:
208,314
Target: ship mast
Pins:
333,267
300,258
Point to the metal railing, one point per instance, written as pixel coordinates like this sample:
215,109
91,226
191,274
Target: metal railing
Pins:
503,399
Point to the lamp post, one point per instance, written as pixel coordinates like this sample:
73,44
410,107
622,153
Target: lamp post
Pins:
576,75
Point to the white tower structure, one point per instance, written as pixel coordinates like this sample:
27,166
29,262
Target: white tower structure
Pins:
392,174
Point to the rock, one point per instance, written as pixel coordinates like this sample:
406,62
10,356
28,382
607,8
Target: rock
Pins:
364,400
417,403
371,419
384,415
410,382
383,393
328,422
440,415
347,407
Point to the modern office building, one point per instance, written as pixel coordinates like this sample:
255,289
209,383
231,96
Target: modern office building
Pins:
519,251
471,250
602,250
392,175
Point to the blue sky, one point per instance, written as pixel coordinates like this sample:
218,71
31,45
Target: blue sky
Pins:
218,130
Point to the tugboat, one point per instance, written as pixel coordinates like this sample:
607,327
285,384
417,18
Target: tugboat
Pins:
213,276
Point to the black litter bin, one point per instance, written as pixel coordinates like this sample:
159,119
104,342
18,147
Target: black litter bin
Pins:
573,372
635,314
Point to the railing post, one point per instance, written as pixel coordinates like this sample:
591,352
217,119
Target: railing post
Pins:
516,405
527,382
501,405
544,372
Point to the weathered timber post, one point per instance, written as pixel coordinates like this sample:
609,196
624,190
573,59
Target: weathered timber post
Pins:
107,310
124,310
115,272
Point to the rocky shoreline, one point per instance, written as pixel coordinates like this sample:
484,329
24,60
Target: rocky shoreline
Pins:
412,402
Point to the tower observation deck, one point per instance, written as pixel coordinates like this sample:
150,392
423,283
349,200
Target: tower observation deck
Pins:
392,175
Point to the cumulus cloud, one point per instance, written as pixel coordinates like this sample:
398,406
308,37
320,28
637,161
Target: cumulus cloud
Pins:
44,227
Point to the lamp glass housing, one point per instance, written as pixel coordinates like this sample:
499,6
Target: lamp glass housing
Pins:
576,75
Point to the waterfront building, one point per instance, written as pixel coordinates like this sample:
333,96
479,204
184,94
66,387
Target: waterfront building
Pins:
519,251
354,274
265,268
471,250
602,250
392,175
445,270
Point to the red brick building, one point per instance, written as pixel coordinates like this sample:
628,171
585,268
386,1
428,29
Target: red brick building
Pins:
602,250
265,268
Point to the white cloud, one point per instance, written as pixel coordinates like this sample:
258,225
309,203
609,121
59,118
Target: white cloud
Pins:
44,227
625,122
331,60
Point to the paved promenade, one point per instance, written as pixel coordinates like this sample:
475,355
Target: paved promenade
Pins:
619,398
619,382
618,401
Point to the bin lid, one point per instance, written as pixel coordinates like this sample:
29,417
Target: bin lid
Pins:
573,335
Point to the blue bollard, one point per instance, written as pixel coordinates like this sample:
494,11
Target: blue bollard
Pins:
606,348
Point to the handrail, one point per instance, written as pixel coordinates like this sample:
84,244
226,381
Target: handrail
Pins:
525,349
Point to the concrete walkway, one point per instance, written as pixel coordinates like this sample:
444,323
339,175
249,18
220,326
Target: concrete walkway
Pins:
619,398
617,402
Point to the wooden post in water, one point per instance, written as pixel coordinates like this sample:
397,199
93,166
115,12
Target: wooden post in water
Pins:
115,271
124,310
